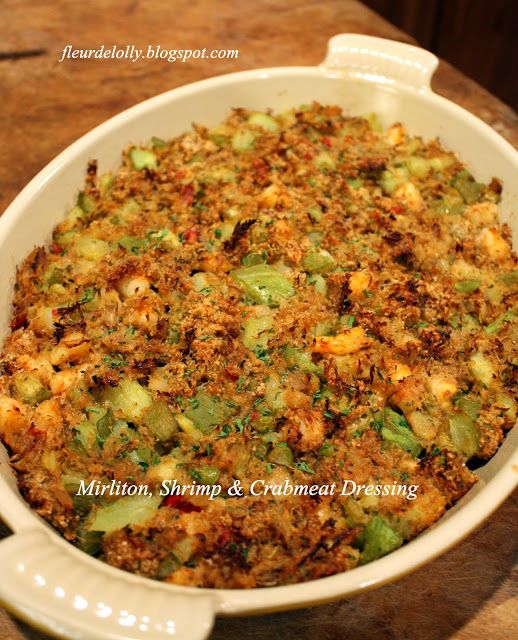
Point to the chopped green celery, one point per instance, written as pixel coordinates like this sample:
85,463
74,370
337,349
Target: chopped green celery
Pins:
89,541
85,202
467,187
82,503
220,135
417,166
270,437
132,244
510,279
66,238
219,175
507,406
85,437
257,329
469,406
315,213
379,538
325,162
252,259
468,286
355,512
410,147
320,261
482,368
219,139
205,474
469,323
263,284
243,140
75,214
439,163
260,451
91,248
374,122
448,205
264,423
396,429
142,158
130,398
295,356
264,121
464,434
30,389
141,456
165,238
56,276
207,411
160,420
105,183
497,324
167,566
158,143
173,334
393,178
315,237
127,511
355,183
281,454
104,424
71,482
327,450
130,206
319,282
347,321
227,228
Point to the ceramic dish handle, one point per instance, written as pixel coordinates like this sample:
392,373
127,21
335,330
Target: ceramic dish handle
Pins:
62,590
387,60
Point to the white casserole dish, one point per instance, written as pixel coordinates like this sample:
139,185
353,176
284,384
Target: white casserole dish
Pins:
49,582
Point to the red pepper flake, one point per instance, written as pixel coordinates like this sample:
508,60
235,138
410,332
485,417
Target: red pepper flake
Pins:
254,415
179,503
55,248
224,538
397,209
327,142
55,313
191,235
188,194
308,155
180,174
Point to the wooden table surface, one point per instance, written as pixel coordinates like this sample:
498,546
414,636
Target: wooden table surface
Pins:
471,592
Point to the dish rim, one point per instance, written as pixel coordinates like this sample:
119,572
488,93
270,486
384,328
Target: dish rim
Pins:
431,543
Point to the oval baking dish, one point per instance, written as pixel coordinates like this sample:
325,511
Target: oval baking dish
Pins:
53,585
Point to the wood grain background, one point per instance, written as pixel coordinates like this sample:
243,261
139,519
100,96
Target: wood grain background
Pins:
472,592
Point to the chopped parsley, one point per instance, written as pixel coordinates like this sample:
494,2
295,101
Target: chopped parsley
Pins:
115,360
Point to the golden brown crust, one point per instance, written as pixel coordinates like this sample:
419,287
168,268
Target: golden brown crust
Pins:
388,358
